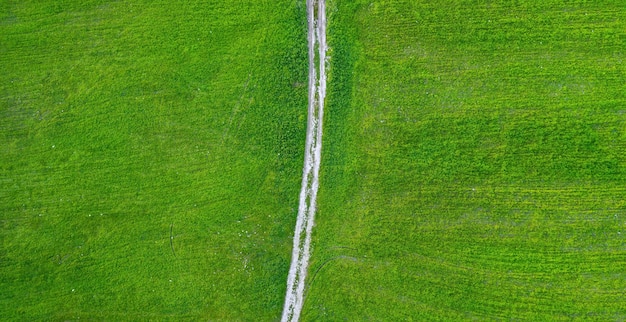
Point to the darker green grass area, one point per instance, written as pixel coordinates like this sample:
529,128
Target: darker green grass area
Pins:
131,128
474,163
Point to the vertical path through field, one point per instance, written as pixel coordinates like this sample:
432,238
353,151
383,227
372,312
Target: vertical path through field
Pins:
294,299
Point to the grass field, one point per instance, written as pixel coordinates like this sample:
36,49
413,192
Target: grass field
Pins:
150,157
474,162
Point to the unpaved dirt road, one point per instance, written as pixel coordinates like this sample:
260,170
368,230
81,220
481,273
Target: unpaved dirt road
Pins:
294,299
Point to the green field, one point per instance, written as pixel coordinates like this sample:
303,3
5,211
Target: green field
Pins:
474,162
123,121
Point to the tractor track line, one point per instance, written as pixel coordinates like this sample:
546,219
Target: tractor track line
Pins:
294,299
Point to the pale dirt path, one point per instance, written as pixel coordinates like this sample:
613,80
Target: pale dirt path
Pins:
294,299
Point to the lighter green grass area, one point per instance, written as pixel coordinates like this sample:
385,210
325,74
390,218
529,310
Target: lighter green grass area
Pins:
123,121
474,162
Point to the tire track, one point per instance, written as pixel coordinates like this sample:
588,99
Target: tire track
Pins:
294,299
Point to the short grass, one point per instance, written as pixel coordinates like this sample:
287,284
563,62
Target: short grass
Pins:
127,125
474,162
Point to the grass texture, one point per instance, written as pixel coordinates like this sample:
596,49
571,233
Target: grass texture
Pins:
151,157
474,162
